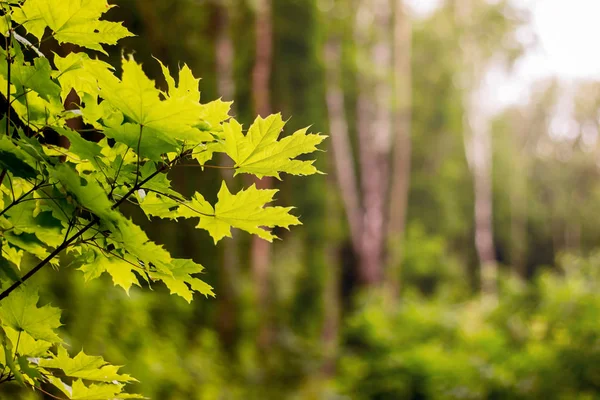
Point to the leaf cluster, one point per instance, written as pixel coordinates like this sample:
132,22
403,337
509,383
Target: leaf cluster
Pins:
66,198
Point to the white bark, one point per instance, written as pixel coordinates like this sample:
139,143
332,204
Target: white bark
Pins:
400,176
479,150
340,142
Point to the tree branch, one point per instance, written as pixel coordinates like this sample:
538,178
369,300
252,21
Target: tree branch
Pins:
93,222
46,260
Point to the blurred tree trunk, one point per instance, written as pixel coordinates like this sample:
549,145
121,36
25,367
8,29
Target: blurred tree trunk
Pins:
331,297
400,176
478,144
374,122
224,58
518,193
343,159
261,249
342,163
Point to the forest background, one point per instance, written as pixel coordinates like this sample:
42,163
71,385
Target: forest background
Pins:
448,252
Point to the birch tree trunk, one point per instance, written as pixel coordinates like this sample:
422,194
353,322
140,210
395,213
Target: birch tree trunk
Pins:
261,249
342,163
518,194
478,143
373,34
400,176
484,239
343,159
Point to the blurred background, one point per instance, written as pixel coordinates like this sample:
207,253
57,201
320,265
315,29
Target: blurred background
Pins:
449,252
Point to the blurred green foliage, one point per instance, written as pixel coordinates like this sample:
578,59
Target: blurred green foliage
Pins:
541,342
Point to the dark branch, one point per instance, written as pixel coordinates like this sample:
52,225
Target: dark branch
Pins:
46,260
90,225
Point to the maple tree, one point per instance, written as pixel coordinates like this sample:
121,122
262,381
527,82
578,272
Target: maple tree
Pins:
56,200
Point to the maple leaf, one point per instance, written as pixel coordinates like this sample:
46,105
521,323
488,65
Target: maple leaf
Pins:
245,210
79,72
181,277
20,312
260,153
159,124
134,240
72,21
87,192
36,77
119,269
27,345
15,160
92,368
103,391
159,206
23,219
83,149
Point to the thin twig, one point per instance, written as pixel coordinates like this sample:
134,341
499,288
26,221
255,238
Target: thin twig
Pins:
88,243
206,166
114,182
181,202
48,394
139,143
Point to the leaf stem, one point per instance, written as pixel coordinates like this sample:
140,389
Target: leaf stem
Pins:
138,186
139,143
114,182
181,202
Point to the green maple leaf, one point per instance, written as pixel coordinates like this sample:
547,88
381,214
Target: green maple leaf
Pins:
83,366
260,153
245,210
134,240
72,21
119,269
28,242
14,159
158,124
87,192
180,278
188,85
79,72
28,346
37,77
79,391
83,149
20,312
153,143
23,218
11,254
156,205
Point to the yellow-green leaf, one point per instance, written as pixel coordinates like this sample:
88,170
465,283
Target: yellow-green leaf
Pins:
245,210
72,21
260,153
